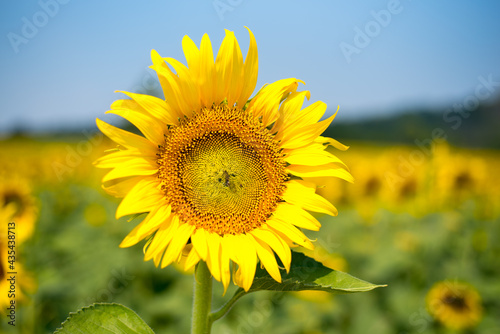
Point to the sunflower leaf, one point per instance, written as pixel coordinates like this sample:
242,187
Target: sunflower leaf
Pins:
308,274
104,319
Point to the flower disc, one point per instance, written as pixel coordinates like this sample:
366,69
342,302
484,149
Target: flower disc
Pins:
455,304
222,171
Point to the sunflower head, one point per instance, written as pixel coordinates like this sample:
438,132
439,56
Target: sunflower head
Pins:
16,197
223,178
222,170
456,305
24,282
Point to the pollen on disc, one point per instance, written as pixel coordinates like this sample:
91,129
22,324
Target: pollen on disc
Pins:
222,171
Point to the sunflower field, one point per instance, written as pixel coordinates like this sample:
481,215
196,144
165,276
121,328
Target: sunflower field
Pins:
424,221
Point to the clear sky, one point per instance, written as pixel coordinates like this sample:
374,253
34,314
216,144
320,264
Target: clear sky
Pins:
61,60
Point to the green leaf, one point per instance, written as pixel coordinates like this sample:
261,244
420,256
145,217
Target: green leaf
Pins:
308,274
104,319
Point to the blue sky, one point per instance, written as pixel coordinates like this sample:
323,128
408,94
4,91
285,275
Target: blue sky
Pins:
62,73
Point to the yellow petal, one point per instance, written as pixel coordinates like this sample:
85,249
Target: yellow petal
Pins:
250,71
268,259
214,240
148,226
189,88
170,85
275,242
295,215
207,77
177,244
303,194
192,259
131,167
117,158
192,55
247,261
291,232
332,142
127,139
119,188
150,127
132,238
331,169
200,243
266,103
225,263
311,155
144,197
129,105
289,109
229,68
302,136
158,112
157,258
162,237
307,116
153,105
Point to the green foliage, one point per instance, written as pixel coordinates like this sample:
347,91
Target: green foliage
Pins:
76,262
104,319
309,274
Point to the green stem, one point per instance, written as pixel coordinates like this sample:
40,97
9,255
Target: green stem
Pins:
202,299
226,307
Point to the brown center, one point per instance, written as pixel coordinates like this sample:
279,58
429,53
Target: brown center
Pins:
222,171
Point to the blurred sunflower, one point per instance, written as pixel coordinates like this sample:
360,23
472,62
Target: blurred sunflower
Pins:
406,180
24,281
16,193
225,174
457,305
370,166
459,175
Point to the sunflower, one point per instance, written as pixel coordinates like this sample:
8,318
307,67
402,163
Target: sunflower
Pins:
218,174
23,281
459,175
16,193
457,305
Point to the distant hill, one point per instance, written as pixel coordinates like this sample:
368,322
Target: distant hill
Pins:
480,129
